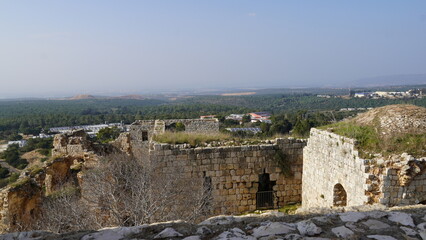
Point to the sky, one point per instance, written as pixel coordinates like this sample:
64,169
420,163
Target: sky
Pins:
60,48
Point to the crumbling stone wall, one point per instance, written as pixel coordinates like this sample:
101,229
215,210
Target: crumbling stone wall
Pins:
197,125
404,182
19,205
159,126
234,171
330,159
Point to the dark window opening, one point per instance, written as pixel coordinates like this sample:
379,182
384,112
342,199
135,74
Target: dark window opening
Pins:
265,194
340,196
144,135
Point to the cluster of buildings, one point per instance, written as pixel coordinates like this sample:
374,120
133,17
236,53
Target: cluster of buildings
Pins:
23,142
412,93
254,117
354,109
251,129
90,129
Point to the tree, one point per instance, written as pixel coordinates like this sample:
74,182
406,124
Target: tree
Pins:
302,128
130,193
4,172
121,191
246,119
12,156
107,134
281,126
64,211
180,127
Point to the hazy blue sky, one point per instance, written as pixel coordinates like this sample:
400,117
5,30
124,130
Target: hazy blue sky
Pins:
99,46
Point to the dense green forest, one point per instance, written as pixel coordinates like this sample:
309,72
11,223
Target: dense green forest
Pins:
31,117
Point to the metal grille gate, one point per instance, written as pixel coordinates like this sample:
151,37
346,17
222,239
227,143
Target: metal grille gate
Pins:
265,200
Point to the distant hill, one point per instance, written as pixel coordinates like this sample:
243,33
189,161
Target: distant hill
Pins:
87,97
392,80
82,96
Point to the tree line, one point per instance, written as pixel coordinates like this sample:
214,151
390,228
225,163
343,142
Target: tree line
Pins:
33,117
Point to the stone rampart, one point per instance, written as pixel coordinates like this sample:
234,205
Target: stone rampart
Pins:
236,174
333,173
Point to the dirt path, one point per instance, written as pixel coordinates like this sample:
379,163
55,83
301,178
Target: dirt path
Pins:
3,147
11,169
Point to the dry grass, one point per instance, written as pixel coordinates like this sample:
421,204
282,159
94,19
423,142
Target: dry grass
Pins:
194,139
217,139
371,141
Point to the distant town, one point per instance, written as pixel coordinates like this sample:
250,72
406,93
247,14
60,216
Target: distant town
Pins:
412,93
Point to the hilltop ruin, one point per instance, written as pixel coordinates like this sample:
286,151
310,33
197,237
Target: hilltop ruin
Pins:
328,170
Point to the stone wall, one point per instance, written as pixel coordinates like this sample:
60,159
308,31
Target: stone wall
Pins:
329,160
404,182
197,125
331,163
234,171
191,125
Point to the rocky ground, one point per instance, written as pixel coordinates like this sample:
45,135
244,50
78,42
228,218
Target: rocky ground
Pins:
351,223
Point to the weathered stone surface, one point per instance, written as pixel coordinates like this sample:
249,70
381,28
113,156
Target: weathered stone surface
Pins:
112,233
168,233
342,232
218,220
409,231
401,218
192,238
293,237
234,234
203,230
27,235
375,224
308,228
352,216
381,237
261,227
273,228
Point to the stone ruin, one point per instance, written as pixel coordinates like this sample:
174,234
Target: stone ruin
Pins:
335,175
241,178
328,172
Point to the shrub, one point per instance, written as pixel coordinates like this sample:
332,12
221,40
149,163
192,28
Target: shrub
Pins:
13,177
284,163
4,172
370,141
106,135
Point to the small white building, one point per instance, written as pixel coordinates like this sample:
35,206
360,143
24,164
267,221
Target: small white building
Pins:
21,143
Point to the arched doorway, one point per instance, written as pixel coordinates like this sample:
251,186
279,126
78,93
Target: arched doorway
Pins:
339,197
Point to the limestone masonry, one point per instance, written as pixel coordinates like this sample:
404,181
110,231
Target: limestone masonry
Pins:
335,175
238,175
